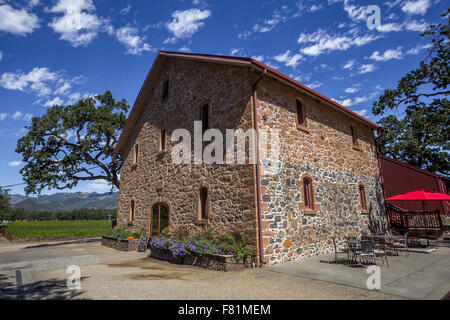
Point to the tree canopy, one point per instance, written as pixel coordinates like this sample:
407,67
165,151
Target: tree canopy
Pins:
5,205
422,136
73,143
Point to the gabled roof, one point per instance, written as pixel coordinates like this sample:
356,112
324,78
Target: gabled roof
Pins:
240,61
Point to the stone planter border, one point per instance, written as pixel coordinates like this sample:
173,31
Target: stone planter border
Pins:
207,261
119,243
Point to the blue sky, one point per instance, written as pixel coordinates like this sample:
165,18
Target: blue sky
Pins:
55,52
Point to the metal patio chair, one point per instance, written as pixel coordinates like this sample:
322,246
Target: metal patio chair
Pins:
366,254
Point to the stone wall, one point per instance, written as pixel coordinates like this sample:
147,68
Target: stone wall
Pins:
120,244
324,152
207,261
156,178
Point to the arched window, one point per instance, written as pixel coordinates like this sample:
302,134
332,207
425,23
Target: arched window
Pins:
159,220
204,208
362,197
308,193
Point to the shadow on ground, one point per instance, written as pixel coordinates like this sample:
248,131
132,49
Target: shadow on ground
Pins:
52,289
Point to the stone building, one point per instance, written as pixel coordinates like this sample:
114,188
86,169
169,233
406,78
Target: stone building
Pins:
326,183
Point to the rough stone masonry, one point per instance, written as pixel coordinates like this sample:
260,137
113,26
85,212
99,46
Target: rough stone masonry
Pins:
321,150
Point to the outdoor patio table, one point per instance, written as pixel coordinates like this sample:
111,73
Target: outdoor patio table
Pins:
351,244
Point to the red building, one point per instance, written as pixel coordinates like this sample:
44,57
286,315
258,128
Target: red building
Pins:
399,177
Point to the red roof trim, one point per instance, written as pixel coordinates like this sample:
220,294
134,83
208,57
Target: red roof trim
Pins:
407,165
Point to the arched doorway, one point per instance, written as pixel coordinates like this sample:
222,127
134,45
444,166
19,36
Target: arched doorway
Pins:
159,219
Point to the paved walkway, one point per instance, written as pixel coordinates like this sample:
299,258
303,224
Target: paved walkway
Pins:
420,276
39,272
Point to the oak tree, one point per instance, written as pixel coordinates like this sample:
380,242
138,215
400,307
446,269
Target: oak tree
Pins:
73,143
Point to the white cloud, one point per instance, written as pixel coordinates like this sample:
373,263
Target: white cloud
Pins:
259,58
390,27
365,68
235,51
54,101
351,90
314,85
125,10
3,116
99,185
132,41
37,80
185,49
362,112
288,59
417,49
17,115
349,65
351,102
27,117
416,7
18,22
387,55
315,8
354,12
64,89
186,23
266,25
322,42
415,25
15,163
78,24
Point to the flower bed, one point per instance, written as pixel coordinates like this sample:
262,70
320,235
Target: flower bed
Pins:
196,253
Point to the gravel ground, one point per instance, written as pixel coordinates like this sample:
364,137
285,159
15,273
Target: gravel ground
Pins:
149,279
39,272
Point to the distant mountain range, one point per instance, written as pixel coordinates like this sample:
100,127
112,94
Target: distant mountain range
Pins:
65,201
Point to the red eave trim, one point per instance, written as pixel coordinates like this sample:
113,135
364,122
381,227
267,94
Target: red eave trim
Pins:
404,164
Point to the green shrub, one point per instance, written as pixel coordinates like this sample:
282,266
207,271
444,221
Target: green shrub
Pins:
125,233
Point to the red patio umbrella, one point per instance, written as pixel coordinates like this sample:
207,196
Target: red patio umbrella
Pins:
422,195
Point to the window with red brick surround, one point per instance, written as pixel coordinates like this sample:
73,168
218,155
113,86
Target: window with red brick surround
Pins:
362,197
308,193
